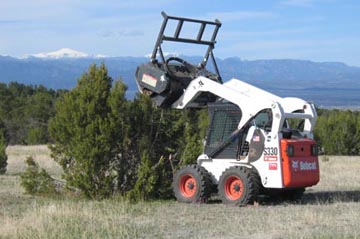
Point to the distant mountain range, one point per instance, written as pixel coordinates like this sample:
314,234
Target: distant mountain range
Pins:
328,84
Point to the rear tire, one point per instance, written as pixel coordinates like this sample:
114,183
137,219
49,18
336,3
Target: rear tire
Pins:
238,186
191,184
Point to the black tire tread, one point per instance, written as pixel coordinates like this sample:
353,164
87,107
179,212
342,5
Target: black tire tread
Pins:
205,183
251,181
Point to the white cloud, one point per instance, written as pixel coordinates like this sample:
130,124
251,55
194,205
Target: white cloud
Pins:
275,32
306,3
298,3
288,44
121,33
316,49
241,15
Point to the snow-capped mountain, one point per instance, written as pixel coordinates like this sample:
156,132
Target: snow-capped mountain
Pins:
325,83
64,53
166,54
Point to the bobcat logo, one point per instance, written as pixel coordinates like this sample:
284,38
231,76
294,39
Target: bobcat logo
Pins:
295,165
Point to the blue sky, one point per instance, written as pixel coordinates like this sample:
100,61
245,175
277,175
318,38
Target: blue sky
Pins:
317,30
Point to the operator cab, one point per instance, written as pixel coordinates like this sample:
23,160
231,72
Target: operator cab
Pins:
225,140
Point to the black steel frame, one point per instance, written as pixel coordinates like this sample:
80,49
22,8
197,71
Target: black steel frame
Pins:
198,40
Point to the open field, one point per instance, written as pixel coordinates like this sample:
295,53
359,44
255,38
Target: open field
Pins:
329,210
41,154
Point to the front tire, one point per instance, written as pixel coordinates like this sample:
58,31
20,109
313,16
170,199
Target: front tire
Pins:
238,186
191,184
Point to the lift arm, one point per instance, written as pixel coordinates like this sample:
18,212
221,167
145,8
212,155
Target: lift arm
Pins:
248,104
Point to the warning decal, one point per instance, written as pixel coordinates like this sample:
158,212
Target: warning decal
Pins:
150,80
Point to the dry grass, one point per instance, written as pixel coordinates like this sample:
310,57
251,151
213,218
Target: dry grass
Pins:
41,154
340,173
329,210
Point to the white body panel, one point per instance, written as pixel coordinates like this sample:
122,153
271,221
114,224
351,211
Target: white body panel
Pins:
251,100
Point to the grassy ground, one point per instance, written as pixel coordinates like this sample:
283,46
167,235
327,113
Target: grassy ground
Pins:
329,210
41,153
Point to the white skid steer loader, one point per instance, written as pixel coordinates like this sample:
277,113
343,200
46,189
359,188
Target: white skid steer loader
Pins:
256,142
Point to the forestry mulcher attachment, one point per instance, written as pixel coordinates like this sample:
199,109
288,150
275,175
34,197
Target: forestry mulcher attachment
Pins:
257,142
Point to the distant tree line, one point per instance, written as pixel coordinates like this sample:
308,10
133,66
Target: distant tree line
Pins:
25,112
3,144
338,132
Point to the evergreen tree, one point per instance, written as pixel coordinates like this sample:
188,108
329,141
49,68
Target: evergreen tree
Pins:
121,167
3,144
156,140
36,180
26,111
357,133
196,123
337,132
39,109
148,184
86,132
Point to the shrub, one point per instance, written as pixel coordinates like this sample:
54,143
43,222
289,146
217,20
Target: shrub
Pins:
36,180
148,184
88,134
3,144
37,136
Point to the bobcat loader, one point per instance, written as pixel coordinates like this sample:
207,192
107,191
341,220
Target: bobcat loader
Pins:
256,142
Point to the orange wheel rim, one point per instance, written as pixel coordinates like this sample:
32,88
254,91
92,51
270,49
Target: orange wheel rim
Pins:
187,186
234,188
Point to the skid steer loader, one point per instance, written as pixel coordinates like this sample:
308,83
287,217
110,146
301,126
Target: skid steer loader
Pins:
256,142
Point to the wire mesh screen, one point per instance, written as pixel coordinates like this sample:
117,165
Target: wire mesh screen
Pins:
224,121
